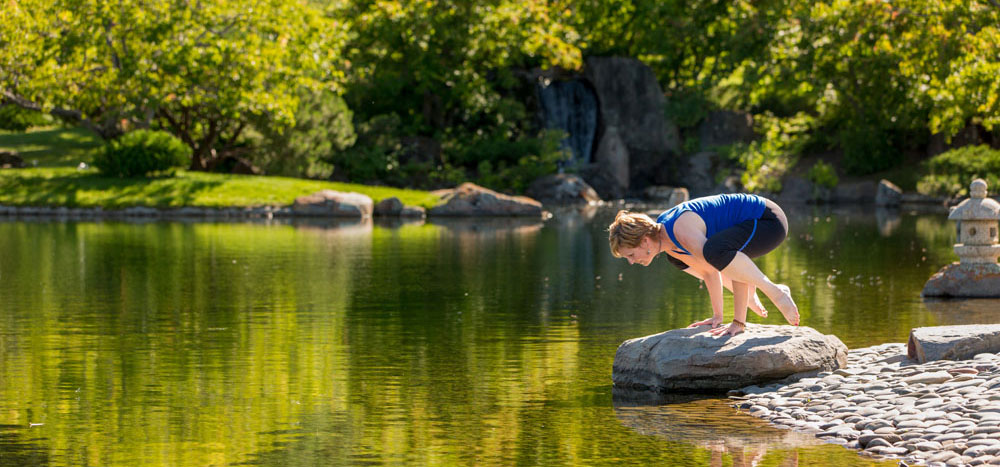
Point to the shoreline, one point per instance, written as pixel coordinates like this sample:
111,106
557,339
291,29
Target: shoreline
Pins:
886,406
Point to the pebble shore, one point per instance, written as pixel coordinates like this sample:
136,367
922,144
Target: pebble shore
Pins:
940,413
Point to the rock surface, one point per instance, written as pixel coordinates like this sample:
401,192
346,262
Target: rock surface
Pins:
888,194
609,174
10,160
671,195
469,199
953,342
329,203
855,192
390,206
937,413
691,359
700,174
725,127
631,100
562,189
974,280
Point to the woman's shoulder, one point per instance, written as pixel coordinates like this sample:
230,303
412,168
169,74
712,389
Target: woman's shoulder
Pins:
671,214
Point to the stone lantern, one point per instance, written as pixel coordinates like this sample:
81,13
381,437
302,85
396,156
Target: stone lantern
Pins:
977,226
977,273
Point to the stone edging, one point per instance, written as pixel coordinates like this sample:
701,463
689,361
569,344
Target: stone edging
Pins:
259,212
943,412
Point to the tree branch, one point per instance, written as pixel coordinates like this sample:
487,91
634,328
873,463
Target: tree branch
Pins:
111,46
74,116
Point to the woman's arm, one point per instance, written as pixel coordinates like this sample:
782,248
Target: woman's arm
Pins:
690,232
753,301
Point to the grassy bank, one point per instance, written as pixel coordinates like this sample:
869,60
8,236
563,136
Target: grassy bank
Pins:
63,186
52,179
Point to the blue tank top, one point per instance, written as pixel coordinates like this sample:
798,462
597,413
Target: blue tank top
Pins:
719,212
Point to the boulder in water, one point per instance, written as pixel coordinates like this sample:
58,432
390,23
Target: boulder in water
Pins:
692,360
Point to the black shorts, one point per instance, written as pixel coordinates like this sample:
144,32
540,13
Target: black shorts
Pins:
754,237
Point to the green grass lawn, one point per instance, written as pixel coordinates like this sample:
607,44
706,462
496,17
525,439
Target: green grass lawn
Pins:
57,182
51,147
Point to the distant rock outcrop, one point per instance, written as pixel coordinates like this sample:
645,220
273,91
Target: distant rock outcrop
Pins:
469,199
672,196
329,203
631,102
393,207
691,359
888,194
562,189
725,127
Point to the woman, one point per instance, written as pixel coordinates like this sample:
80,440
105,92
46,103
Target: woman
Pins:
713,238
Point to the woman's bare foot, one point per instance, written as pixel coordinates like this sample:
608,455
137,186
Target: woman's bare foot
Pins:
757,307
786,305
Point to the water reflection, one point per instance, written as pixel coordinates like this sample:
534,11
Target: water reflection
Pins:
888,220
964,311
490,224
483,341
730,439
705,422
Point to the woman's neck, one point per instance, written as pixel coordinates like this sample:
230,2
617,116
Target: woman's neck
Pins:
665,243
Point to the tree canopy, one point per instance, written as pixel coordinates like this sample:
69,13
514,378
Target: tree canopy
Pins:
870,78
200,69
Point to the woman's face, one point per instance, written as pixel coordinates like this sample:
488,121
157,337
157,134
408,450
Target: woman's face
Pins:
639,255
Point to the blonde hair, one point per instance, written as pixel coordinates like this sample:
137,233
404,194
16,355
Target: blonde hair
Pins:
628,230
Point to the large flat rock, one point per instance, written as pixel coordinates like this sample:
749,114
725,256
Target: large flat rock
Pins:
953,342
692,360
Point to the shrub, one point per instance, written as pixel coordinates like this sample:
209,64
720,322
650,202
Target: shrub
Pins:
868,148
535,157
823,175
375,153
951,172
686,109
767,160
142,152
16,118
322,127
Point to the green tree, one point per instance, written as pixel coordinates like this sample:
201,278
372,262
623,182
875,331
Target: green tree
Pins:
204,70
443,64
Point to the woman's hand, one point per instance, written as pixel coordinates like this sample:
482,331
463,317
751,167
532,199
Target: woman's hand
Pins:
731,329
715,322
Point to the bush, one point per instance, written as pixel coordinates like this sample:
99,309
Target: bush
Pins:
868,149
16,118
498,169
767,160
142,152
686,109
322,127
375,154
951,172
823,175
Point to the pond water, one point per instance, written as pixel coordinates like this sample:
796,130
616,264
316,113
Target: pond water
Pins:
466,342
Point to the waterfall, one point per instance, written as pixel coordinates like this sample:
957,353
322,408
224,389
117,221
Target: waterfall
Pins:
570,106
